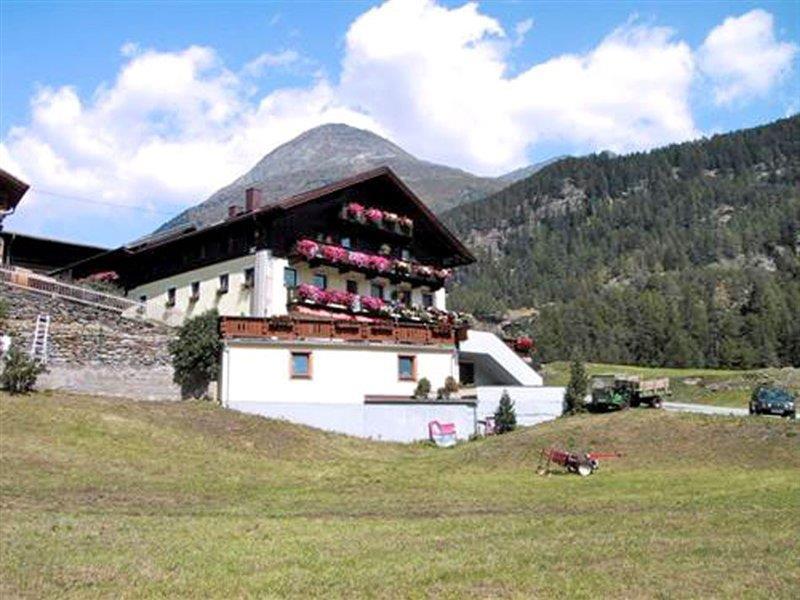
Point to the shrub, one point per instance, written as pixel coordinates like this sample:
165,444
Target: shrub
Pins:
196,354
576,389
423,389
451,386
505,417
20,371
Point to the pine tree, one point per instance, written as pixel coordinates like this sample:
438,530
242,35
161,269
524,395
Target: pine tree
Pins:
505,417
576,390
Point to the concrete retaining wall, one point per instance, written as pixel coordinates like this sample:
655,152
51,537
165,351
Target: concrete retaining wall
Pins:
532,404
406,422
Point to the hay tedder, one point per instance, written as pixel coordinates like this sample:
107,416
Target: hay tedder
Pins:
580,464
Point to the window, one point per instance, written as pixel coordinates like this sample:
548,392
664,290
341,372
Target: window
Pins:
405,254
223,284
171,296
345,242
195,291
407,368
376,291
300,365
427,299
249,277
404,297
320,280
290,277
351,286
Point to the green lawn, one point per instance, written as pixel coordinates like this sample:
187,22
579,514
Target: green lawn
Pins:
113,498
721,387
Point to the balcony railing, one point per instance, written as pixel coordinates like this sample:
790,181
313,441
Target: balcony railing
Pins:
47,285
298,328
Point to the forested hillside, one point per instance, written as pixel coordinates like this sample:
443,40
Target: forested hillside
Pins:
687,255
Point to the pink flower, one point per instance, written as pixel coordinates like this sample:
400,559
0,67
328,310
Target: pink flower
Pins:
358,259
354,209
371,304
443,273
334,253
523,343
309,292
340,297
379,263
374,215
424,270
307,248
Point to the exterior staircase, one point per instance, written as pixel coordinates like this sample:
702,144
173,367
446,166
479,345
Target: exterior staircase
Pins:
491,350
40,337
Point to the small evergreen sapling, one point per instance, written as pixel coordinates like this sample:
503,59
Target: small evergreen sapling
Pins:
576,389
505,417
423,389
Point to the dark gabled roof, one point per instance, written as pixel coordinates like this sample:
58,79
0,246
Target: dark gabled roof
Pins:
11,189
180,233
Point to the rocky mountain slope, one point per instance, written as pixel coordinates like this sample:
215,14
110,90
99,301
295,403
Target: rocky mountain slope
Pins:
331,152
688,255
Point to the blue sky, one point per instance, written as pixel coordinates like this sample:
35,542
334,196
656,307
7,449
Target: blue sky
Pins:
155,105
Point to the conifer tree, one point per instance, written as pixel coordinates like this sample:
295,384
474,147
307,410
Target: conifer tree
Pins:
505,417
576,389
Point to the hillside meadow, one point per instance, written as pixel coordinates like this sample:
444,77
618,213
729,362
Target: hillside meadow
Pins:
718,387
109,498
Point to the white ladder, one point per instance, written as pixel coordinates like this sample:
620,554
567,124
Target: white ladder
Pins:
40,335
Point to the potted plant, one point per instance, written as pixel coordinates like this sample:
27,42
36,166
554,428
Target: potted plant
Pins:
374,216
355,211
307,248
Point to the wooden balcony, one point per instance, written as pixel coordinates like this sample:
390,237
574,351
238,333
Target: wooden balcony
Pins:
299,328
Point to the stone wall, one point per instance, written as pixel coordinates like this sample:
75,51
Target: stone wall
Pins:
92,350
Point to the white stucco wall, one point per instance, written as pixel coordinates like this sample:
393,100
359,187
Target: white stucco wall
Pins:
234,303
341,373
532,404
239,301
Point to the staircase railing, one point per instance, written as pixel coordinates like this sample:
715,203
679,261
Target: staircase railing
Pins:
47,285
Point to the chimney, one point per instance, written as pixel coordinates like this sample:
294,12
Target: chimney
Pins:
252,199
232,210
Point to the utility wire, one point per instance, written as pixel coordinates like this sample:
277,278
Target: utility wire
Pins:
39,190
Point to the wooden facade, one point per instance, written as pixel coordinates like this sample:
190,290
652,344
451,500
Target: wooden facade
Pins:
277,226
376,331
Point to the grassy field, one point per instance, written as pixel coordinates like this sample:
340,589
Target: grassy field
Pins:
700,386
113,498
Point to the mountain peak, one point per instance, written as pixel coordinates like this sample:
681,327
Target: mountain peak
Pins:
334,151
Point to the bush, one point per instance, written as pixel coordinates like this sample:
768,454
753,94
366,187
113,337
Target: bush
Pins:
196,354
20,371
505,417
449,390
576,389
423,389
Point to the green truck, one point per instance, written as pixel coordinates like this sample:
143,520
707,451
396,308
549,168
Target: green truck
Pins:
617,392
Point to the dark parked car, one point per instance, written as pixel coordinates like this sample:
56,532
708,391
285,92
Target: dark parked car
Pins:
770,400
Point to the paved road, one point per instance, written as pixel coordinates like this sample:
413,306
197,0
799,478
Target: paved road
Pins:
705,409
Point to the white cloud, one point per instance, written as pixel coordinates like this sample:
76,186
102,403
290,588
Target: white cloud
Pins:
270,59
521,29
174,126
743,58
444,91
